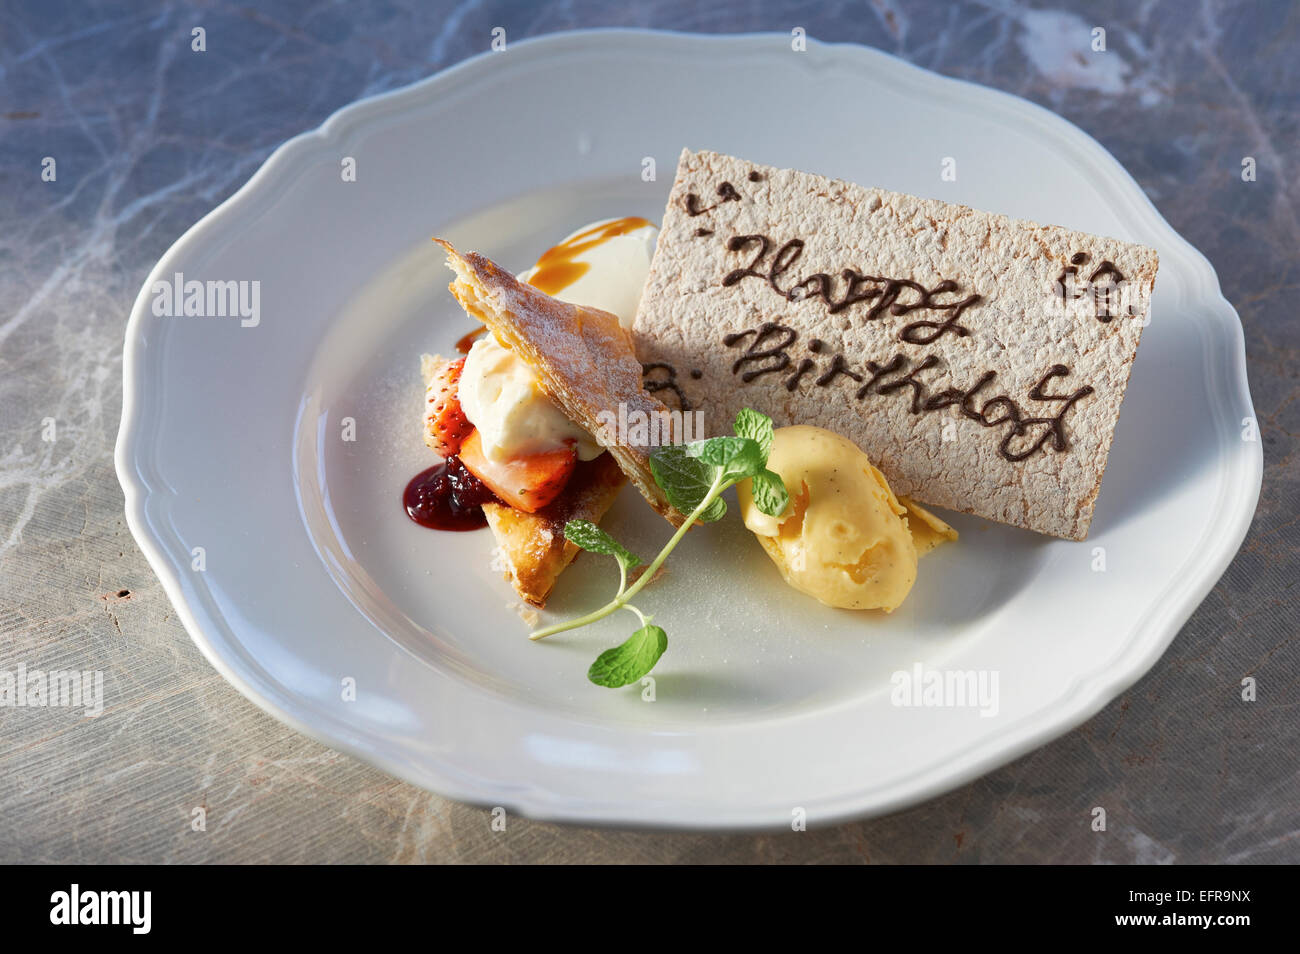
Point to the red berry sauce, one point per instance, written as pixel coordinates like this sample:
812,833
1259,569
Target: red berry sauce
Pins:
447,497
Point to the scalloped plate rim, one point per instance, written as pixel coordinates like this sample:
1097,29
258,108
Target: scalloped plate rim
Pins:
1155,629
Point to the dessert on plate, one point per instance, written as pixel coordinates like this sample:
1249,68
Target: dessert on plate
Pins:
516,418
870,352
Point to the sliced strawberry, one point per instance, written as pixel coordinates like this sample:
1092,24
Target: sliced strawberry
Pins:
445,424
525,483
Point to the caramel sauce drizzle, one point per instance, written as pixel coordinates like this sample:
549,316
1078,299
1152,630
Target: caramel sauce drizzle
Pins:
466,341
557,270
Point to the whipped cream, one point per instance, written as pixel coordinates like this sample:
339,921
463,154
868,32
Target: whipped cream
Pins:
602,265
501,397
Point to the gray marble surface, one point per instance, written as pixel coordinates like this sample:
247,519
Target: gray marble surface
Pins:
148,138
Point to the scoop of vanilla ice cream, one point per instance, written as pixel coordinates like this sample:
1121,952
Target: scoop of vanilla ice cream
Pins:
845,539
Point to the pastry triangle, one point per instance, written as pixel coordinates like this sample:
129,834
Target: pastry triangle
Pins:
585,363
582,357
532,545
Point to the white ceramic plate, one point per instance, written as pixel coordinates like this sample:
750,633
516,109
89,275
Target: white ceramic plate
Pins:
766,703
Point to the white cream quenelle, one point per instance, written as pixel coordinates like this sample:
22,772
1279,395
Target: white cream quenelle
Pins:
501,397
602,265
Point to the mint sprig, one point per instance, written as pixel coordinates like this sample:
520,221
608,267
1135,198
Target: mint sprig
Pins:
686,480
590,537
693,477
628,662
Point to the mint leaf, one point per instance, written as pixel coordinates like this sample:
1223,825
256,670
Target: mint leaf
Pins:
590,537
757,427
717,451
769,493
735,457
627,663
685,480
